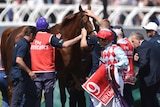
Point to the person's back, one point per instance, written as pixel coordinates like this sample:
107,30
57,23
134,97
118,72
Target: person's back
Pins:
43,59
41,45
43,62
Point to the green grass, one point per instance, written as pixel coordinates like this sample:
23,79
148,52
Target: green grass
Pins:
0,100
57,102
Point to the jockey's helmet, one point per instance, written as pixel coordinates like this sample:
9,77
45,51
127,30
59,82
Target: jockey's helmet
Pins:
42,23
105,34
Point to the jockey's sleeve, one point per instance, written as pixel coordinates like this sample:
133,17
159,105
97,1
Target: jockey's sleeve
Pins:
55,42
122,58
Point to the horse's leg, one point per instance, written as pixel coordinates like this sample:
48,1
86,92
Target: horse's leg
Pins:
61,76
76,96
81,99
62,92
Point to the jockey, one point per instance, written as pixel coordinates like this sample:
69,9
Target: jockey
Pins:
43,59
113,55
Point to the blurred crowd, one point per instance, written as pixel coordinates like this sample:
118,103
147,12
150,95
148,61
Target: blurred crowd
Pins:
136,20
110,2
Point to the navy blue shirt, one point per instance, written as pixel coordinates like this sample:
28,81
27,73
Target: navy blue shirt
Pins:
155,39
21,49
55,42
96,52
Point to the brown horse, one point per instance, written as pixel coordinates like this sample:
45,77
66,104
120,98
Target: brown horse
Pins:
73,64
9,38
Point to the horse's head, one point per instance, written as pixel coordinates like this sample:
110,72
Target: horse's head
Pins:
74,23
70,27
86,22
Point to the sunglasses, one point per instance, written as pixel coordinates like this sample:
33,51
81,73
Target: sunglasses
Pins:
100,39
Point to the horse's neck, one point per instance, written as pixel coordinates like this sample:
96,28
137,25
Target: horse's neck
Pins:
71,31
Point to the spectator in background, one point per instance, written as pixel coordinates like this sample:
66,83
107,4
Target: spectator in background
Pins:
149,69
49,1
1,9
67,2
129,74
154,18
152,32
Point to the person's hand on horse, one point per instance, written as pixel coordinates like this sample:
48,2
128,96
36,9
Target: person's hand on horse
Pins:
84,32
89,13
32,75
58,35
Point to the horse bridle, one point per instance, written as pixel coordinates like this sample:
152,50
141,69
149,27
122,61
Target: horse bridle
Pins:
84,24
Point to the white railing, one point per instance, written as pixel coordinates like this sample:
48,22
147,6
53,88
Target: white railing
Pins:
20,12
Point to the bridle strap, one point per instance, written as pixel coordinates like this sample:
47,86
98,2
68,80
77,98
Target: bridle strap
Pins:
84,24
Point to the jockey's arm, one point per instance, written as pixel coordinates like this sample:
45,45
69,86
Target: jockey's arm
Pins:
121,56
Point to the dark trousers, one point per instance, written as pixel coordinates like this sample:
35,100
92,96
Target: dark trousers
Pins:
148,95
76,93
31,95
127,94
46,82
21,88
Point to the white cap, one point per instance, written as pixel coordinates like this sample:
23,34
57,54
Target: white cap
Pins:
151,26
118,32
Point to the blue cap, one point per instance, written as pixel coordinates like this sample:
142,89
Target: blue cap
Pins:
42,23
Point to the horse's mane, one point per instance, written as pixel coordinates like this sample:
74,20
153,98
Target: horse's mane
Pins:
68,19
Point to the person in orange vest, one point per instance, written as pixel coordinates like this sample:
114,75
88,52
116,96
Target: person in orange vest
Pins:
129,74
43,60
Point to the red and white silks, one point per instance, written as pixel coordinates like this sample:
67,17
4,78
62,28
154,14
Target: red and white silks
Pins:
100,88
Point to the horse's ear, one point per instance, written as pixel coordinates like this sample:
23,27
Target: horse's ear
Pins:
89,7
80,8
